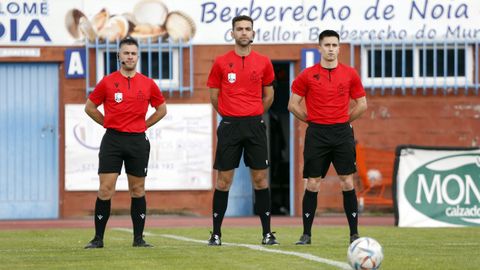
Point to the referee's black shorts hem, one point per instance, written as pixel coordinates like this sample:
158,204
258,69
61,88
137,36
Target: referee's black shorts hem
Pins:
329,144
118,148
241,135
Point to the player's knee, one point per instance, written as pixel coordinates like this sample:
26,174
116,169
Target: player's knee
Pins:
260,183
137,191
313,185
224,181
223,185
347,184
105,193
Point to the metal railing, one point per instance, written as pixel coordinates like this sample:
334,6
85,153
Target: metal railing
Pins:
169,81
410,66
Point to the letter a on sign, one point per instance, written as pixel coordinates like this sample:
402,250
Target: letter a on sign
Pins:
75,63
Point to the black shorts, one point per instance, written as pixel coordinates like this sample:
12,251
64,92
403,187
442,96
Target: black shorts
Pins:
325,144
241,134
118,147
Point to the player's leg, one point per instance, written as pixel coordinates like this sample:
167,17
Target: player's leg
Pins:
138,209
137,152
219,204
344,163
262,204
309,207
317,159
102,208
350,205
227,158
110,165
256,157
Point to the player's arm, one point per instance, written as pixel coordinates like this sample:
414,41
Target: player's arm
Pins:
267,99
160,112
214,97
358,108
295,107
92,110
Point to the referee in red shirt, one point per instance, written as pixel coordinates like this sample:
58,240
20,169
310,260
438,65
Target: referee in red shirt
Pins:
125,95
327,88
241,88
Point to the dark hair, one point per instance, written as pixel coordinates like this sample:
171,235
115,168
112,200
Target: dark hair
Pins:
327,33
128,41
241,18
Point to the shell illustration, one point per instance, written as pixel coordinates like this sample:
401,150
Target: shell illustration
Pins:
180,26
152,12
115,28
132,22
144,31
86,29
150,19
72,21
100,19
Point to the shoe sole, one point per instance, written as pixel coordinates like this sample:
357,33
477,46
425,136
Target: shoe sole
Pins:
144,246
93,247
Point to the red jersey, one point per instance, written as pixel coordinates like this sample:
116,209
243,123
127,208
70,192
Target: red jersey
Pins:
125,100
240,80
327,92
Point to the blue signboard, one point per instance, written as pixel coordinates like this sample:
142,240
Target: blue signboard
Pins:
75,64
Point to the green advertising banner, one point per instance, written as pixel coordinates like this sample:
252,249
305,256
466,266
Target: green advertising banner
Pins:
437,187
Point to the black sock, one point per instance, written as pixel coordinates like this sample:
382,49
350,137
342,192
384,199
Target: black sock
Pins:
138,212
263,208
350,205
220,202
102,213
309,206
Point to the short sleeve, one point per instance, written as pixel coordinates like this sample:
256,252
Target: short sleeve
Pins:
299,85
356,88
215,76
97,96
268,73
156,97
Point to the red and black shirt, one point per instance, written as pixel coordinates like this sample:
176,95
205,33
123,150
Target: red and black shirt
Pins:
240,80
126,100
327,92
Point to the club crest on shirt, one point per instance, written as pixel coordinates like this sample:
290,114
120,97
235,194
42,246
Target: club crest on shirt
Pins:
140,96
232,77
118,97
254,76
341,89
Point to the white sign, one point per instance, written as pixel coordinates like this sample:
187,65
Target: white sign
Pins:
180,153
55,22
19,52
438,187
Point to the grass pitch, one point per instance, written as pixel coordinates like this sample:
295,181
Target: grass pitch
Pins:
404,248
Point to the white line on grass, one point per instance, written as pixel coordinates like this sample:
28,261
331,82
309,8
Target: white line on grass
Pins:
306,256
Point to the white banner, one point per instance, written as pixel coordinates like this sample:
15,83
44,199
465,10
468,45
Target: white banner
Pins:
180,153
438,187
67,22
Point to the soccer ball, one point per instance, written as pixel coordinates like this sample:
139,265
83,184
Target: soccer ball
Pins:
365,253
374,176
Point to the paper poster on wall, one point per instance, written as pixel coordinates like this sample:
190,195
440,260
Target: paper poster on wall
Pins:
180,154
